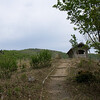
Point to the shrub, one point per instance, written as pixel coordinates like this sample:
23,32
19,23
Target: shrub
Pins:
84,76
35,61
7,66
45,55
43,59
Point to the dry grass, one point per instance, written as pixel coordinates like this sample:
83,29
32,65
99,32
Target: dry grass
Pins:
83,91
18,87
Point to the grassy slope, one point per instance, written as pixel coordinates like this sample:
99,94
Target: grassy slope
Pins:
27,53
18,87
83,91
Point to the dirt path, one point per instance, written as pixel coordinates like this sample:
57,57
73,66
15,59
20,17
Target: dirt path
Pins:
56,84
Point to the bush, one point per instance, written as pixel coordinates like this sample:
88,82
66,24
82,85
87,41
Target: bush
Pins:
85,76
35,61
43,59
7,66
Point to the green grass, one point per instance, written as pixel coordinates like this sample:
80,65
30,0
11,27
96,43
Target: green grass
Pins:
28,53
10,59
15,70
94,56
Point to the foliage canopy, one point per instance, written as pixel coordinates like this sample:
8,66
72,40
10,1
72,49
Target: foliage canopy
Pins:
73,41
85,14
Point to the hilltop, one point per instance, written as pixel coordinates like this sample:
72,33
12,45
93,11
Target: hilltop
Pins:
27,53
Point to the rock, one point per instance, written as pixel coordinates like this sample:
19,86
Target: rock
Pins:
31,79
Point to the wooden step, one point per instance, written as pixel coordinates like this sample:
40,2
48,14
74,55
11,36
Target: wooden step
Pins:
57,76
61,67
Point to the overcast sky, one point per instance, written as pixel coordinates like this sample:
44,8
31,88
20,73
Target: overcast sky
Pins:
34,24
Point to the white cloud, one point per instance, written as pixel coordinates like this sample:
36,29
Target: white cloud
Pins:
33,23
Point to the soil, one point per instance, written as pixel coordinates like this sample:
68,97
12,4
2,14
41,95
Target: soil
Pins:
60,86
55,86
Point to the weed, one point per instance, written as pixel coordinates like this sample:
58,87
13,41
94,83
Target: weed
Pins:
23,66
23,77
5,74
17,89
1,89
9,92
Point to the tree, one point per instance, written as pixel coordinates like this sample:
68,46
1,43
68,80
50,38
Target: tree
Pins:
73,41
85,14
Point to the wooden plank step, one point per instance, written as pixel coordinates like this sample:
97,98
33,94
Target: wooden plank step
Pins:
61,67
57,76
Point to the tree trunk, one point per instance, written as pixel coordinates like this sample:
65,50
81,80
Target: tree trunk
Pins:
99,35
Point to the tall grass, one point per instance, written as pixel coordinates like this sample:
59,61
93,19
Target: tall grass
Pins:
43,59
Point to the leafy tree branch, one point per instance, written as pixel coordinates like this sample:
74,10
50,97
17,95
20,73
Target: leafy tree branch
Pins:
85,14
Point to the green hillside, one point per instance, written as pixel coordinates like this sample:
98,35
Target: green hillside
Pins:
27,53
22,72
94,56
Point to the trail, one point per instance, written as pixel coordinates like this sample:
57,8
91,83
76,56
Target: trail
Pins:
57,83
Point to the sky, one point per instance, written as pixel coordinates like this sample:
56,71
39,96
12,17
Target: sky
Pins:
34,24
